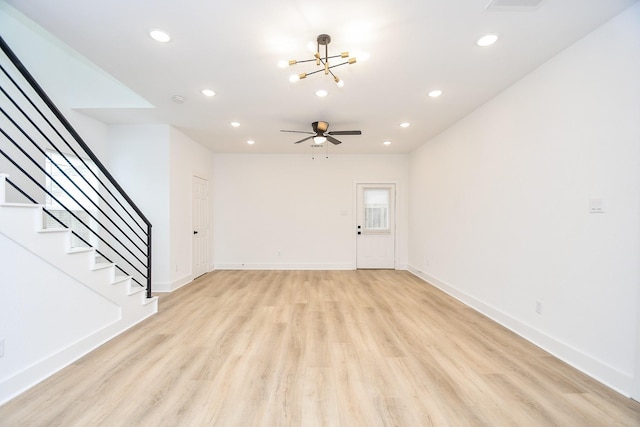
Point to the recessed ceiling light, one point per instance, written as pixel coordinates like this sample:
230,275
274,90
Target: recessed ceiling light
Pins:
160,36
487,40
405,125
208,92
294,78
435,93
322,93
235,124
251,142
387,143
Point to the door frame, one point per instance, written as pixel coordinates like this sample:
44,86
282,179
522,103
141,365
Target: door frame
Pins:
354,226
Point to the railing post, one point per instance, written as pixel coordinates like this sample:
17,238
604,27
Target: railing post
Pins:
149,261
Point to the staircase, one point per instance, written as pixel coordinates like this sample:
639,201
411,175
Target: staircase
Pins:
65,290
32,353
22,223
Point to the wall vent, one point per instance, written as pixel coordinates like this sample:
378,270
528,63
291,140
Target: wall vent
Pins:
514,5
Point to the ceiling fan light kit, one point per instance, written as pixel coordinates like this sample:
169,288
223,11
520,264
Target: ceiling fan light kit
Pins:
323,62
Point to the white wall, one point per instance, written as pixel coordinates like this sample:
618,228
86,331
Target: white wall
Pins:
138,158
155,165
290,211
187,159
68,78
500,204
40,308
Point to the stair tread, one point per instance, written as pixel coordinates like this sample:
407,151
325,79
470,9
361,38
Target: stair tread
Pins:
101,265
149,300
136,290
120,279
53,230
19,205
79,250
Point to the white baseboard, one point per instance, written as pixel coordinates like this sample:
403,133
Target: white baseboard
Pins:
609,376
164,287
342,266
24,380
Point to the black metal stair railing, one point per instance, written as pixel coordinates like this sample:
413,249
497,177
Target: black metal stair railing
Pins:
48,163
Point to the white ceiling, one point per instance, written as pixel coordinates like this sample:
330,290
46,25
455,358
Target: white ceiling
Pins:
233,47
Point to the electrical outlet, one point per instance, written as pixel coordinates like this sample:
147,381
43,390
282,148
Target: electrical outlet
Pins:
596,205
539,307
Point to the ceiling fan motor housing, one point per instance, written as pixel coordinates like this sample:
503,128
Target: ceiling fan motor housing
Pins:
320,126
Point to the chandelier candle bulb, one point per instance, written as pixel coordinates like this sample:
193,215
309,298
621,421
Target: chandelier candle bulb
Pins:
344,55
293,62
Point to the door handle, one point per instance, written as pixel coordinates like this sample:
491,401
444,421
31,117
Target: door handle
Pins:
359,232
195,232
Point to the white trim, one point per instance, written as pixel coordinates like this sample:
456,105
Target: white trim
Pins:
240,266
164,287
609,376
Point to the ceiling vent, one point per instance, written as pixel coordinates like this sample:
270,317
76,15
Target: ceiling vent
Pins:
514,5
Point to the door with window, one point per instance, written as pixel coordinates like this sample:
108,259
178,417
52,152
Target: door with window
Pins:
375,215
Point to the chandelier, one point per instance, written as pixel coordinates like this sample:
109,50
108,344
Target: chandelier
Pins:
323,62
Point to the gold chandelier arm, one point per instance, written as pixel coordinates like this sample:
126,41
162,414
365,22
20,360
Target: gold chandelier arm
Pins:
300,61
350,61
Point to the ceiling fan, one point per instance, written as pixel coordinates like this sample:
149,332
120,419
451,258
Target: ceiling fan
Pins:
321,135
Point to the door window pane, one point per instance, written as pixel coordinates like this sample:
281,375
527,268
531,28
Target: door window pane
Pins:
376,209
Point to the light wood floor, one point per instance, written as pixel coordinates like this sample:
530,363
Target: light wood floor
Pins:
311,348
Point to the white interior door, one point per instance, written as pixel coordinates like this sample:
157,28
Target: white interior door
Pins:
200,244
375,214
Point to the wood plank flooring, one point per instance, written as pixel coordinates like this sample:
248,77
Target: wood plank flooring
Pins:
318,348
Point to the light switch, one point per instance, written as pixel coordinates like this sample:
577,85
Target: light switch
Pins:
596,205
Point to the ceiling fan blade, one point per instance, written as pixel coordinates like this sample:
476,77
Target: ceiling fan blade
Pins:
304,139
346,132
296,131
332,140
